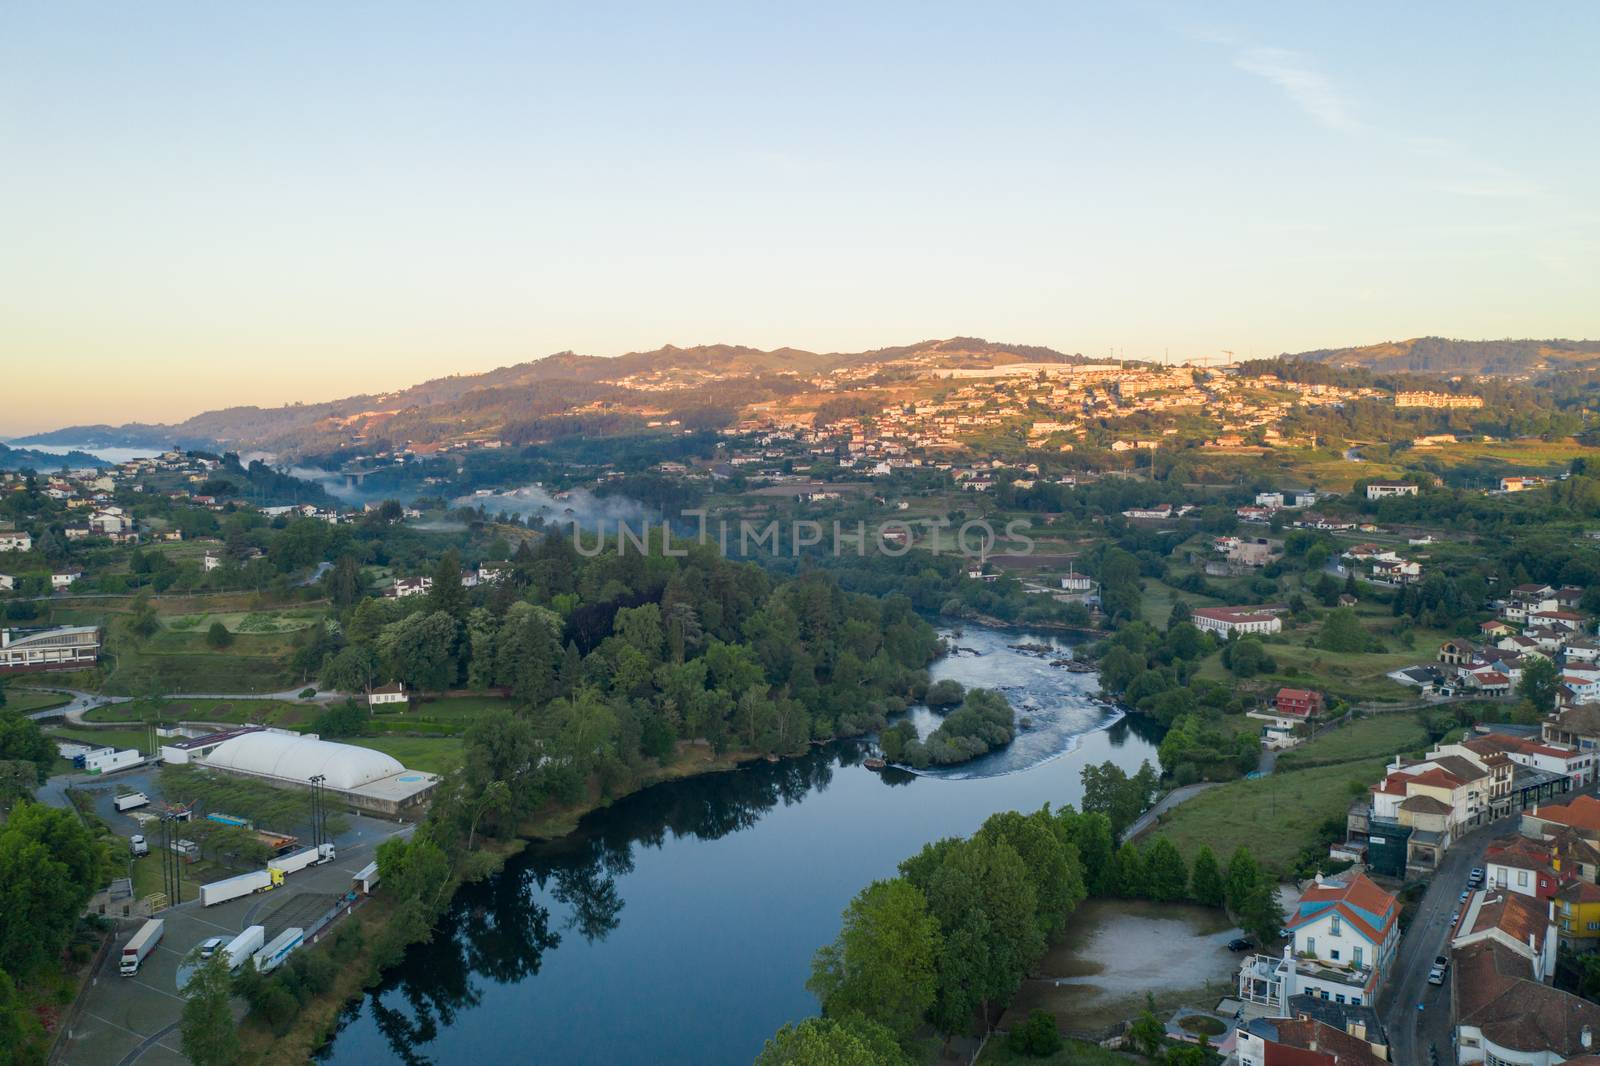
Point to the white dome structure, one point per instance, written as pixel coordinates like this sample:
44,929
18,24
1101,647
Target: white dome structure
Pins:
299,758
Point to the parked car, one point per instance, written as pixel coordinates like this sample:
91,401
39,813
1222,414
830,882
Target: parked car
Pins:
209,946
1240,943
1436,976
1477,874
1455,919
1464,896
1441,962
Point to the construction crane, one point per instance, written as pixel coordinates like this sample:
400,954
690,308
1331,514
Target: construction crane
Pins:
1228,353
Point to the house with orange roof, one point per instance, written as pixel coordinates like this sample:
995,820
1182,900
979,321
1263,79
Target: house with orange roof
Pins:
1419,809
1525,867
1343,935
1581,816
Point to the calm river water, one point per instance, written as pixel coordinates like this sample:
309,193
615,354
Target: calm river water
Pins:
677,926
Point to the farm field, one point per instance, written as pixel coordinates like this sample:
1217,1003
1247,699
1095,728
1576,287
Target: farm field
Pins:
1367,738
435,755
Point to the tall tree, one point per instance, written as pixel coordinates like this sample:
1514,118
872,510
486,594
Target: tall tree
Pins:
825,1042
881,965
1166,876
1205,883
1243,873
206,1027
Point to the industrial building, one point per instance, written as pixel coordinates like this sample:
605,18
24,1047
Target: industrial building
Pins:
365,779
64,648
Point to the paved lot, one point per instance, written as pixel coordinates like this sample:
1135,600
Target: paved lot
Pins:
127,1019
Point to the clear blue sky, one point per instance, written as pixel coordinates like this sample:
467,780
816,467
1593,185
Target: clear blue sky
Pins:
211,204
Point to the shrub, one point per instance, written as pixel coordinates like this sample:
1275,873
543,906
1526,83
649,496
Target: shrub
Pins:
1037,1037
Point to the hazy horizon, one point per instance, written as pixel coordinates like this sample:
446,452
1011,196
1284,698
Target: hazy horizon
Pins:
265,206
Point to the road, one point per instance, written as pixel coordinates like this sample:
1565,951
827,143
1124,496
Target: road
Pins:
1411,1030
85,701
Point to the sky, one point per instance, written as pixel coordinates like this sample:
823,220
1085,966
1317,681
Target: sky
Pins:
207,205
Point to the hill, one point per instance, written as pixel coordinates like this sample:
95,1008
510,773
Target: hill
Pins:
702,386
1439,355
28,459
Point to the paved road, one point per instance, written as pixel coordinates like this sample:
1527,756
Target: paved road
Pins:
84,701
1411,1030
1178,795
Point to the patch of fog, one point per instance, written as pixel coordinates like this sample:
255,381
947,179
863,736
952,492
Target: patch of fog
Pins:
437,525
579,505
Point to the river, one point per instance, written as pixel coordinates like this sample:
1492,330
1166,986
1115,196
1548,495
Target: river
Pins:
677,926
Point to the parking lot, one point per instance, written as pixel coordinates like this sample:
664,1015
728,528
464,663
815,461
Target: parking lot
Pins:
127,1019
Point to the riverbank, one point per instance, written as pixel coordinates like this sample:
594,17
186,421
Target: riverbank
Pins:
318,1019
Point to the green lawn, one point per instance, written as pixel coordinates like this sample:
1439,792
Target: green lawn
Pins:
1367,738
1349,675
1156,603
232,712
25,702
435,755
1275,816
182,661
110,738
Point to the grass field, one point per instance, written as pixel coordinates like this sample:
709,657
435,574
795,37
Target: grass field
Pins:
178,661
243,621
1367,738
436,755
1156,603
233,712
26,702
1275,816
1350,675
110,738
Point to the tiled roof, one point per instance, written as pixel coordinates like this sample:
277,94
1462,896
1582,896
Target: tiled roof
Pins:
1494,992
1366,906
1519,917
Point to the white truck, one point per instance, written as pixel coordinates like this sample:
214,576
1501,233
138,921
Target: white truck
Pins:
235,887
271,956
299,860
245,945
117,760
142,944
128,801
138,845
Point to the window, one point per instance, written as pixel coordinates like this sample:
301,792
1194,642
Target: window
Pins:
1311,945
1324,992
1355,1001
1339,998
1356,957
1334,954
1522,878
1335,925
1594,926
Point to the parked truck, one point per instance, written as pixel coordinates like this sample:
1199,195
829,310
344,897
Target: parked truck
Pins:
299,860
235,887
245,945
138,845
142,944
117,760
271,956
129,800
230,819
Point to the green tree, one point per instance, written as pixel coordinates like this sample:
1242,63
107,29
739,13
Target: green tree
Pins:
420,650
984,902
206,1027
826,1042
881,965
1052,864
1243,874
1038,1037
1539,684
1128,877
1260,915
1341,631
21,740
1166,876
218,635
942,695
50,865
1147,1033
1205,883
447,596
354,669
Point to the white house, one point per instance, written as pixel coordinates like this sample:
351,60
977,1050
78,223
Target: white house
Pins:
1225,621
7,583
1343,936
64,579
15,542
1377,490
387,694
411,586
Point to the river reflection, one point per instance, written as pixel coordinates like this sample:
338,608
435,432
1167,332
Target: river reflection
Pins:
677,926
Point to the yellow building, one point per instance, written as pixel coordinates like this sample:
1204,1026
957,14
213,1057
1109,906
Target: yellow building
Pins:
1578,915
